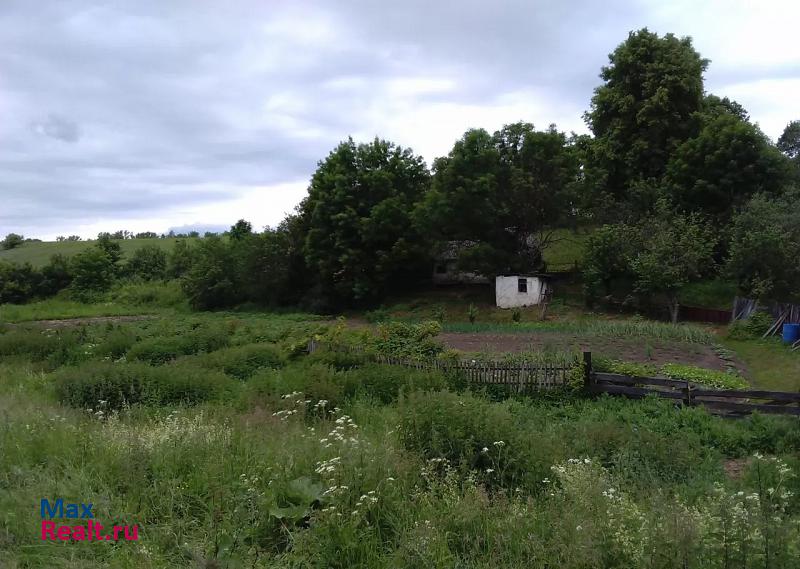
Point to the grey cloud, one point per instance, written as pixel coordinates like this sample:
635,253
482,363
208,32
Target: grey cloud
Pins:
135,108
57,127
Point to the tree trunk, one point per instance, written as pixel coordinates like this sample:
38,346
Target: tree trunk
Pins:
673,310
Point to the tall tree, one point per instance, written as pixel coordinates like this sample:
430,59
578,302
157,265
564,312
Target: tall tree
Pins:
723,166
240,230
789,141
505,193
360,241
765,246
642,112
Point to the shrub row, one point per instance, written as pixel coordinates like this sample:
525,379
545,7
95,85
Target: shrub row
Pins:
114,385
161,349
242,362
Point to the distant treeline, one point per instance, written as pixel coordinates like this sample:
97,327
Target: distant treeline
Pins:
676,184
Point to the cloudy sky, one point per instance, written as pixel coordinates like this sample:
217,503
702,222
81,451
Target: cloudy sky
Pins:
151,114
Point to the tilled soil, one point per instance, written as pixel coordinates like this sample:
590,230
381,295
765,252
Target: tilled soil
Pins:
627,349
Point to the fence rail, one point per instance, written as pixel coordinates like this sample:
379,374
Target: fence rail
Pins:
519,378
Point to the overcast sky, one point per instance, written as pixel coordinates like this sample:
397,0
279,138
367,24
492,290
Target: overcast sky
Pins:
151,114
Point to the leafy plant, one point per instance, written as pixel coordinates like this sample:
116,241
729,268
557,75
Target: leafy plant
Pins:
712,378
472,313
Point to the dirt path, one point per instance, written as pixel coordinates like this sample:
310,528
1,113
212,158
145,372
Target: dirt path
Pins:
82,321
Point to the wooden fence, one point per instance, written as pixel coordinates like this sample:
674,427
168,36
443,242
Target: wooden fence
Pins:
517,378
534,377
733,402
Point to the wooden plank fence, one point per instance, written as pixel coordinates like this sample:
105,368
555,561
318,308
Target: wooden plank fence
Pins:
535,377
732,402
518,378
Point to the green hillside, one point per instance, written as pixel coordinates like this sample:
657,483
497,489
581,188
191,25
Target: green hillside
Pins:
38,253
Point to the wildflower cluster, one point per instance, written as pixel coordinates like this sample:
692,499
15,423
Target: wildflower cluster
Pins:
175,429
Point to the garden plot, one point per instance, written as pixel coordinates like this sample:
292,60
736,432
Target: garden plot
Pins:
631,349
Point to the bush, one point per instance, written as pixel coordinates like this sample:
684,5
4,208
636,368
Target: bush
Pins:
398,339
242,362
472,433
12,240
18,283
93,271
316,382
161,349
213,280
147,263
624,368
113,386
384,383
753,327
116,343
56,275
36,344
152,294
337,359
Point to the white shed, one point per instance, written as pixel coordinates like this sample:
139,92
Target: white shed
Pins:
519,290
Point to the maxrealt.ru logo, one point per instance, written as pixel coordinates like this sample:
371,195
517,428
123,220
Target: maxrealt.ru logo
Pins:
90,531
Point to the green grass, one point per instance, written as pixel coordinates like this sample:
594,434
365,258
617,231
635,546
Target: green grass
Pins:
770,364
123,300
717,294
292,462
56,309
38,253
567,248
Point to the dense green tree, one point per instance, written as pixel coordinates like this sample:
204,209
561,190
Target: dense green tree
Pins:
272,268
676,250
505,193
56,275
723,166
643,111
765,247
213,280
93,271
607,261
653,260
111,248
789,141
12,240
181,257
148,262
359,237
240,230
18,282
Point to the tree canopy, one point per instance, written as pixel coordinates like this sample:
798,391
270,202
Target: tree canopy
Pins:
643,111
359,236
505,193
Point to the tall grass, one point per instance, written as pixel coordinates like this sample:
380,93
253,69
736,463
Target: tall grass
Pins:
688,333
311,465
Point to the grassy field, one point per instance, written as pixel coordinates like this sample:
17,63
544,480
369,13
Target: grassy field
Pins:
566,250
769,362
227,446
39,253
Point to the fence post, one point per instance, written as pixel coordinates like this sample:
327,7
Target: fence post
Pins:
587,369
688,393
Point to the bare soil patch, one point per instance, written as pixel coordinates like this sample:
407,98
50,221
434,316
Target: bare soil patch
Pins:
657,352
68,322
